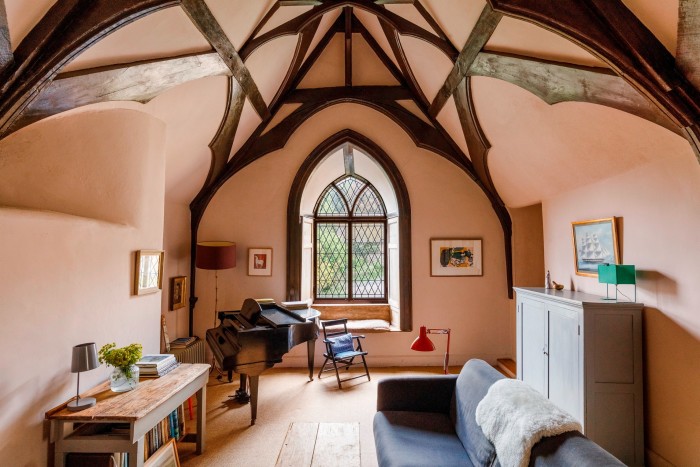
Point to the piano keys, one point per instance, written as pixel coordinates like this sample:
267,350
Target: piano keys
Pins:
255,338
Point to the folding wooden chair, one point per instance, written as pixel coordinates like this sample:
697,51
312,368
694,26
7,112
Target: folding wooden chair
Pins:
341,350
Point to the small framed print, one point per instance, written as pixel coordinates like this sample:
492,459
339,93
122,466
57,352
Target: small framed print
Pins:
178,291
148,276
259,261
455,257
595,243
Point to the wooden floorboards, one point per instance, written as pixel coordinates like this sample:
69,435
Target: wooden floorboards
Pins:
321,445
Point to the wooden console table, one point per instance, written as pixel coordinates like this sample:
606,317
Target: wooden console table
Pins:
142,408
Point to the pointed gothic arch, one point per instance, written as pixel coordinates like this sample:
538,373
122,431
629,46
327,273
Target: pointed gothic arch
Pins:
294,221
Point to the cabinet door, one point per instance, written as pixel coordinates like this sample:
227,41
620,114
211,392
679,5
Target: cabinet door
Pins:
532,344
564,384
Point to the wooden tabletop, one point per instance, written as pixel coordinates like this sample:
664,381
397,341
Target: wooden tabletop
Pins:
134,404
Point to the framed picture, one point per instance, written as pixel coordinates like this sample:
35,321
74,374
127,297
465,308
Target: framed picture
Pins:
148,276
259,261
165,456
595,242
178,292
455,257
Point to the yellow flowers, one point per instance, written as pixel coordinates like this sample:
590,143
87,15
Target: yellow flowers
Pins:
122,357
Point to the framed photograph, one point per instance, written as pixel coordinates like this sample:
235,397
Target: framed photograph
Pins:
178,292
595,242
148,276
259,261
165,456
455,257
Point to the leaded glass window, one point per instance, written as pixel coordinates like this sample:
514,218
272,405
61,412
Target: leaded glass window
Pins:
350,242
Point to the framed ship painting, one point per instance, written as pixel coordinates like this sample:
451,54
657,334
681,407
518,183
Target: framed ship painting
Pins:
595,242
455,257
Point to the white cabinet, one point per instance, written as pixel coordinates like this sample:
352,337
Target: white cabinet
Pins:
585,354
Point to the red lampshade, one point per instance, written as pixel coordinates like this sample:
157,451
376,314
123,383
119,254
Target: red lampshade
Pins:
216,255
422,342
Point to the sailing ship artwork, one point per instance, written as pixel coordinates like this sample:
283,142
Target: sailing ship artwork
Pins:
595,242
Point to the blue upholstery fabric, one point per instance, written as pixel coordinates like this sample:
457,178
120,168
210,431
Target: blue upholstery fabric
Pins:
342,343
417,439
473,383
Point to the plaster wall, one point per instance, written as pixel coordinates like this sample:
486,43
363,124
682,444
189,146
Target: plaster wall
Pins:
65,278
658,206
250,209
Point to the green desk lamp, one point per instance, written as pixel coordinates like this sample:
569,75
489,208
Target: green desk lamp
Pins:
617,274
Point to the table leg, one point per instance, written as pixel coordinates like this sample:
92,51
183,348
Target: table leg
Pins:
136,453
201,418
310,351
59,456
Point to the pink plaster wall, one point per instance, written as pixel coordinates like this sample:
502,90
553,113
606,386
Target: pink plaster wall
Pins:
66,279
658,204
250,209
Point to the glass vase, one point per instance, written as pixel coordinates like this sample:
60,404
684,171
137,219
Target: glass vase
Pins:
119,382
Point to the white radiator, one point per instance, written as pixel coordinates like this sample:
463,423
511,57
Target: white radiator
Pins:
192,354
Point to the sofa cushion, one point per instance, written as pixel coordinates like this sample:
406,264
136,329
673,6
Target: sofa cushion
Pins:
417,439
473,383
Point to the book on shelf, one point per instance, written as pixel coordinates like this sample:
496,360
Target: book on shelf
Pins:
295,305
182,342
153,372
171,427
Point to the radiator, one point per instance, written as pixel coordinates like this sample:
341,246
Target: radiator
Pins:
192,354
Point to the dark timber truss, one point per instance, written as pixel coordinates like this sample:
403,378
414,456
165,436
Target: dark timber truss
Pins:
645,80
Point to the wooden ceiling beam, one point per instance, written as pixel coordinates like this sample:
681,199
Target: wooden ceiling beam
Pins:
347,13
204,20
609,30
392,36
402,25
488,20
139,82
66,30
688,48
430,20
6,56
377,49
378,93
306,36
555,82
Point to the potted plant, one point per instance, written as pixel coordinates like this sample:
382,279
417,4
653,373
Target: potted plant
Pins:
125,376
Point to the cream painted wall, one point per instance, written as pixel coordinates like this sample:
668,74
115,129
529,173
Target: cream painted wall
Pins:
250,209
66,279
659,207
176,243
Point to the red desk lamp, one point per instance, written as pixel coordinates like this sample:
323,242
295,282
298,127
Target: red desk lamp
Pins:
424,344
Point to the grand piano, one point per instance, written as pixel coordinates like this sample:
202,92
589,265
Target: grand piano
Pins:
255,338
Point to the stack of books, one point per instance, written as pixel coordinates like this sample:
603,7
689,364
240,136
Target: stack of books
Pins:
182,342
298,305
155,365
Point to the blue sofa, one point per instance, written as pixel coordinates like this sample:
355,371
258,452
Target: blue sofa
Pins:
430,421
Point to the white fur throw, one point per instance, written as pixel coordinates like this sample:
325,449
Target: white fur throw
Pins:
514,417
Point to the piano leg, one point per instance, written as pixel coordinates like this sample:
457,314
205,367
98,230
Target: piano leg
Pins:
242,392
310,351
253,398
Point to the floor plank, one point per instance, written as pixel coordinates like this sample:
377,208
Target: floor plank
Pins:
298,447
337,444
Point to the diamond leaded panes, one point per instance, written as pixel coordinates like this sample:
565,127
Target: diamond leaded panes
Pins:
332,260
350,246
368,260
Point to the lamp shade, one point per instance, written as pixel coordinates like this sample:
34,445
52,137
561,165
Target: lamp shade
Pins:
616,274
422,342
216,255
84,358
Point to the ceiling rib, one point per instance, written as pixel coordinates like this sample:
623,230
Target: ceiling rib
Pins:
204,20
6,56
380,93
258,27
608,29
139,82
347,13
392,35
403,26
430,20
688,48
557,82
488,20
67,29
377,49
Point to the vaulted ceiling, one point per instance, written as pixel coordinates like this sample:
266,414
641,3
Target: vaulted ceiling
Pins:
459,76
